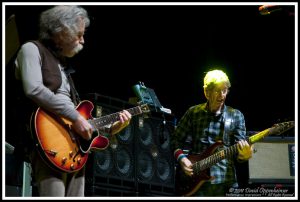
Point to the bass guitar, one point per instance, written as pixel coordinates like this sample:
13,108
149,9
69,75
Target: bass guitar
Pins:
188,185
60,147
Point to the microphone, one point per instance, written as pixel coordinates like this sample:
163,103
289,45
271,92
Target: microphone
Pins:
268,9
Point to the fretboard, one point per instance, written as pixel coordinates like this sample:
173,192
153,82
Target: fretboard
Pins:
215,158
109,119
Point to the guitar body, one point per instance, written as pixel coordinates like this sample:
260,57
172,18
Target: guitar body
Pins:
188,185
58,145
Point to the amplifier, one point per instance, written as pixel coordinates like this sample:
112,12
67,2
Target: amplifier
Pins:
273,161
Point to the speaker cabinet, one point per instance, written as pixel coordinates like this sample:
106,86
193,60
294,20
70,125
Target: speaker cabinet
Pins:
138,160
13,175
273,161
118,159
18,180
112,169
154,158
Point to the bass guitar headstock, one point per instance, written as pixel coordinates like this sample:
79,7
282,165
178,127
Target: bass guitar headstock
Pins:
280,128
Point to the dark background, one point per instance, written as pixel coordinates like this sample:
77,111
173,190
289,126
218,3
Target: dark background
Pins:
170,48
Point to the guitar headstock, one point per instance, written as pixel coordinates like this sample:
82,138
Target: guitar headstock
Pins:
276,129
145,108
280,128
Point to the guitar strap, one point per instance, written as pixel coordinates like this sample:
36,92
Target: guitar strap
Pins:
74,94
228,126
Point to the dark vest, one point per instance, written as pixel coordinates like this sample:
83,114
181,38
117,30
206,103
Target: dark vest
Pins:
50,70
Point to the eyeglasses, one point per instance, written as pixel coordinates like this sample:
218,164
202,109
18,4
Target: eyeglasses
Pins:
223,91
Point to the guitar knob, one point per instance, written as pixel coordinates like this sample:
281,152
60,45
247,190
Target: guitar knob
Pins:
64,159
79,160
71,153
72,166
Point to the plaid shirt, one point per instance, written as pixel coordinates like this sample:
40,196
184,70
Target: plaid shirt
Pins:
204,129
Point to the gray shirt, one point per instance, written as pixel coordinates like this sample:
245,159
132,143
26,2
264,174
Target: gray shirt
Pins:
28,70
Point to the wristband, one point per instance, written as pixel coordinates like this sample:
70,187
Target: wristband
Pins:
180,157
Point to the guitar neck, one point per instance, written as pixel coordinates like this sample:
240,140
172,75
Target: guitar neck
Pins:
226,153
259,136
109,119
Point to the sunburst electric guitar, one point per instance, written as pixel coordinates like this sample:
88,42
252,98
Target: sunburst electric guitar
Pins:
61,147
188,185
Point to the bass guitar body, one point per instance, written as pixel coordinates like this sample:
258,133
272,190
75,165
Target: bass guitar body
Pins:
188,185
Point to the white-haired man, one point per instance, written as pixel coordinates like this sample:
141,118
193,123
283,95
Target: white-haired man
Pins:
207,125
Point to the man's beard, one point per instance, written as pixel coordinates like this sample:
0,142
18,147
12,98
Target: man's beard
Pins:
74,51
78,48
